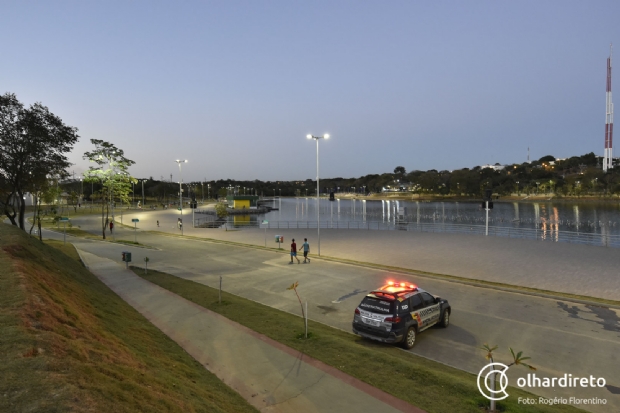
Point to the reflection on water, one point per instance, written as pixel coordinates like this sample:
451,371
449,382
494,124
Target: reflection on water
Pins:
548,217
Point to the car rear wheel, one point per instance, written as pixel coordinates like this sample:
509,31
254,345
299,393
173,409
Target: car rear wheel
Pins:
445,320
409,339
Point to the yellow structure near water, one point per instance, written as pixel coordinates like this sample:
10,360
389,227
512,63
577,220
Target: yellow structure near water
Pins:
241,203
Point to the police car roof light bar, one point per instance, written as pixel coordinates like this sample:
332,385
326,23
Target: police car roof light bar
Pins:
396,293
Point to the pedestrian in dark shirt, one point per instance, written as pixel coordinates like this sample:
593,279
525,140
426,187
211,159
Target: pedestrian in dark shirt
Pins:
294,252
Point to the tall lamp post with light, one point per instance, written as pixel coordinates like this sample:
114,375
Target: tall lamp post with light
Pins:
180,162
142,180
318,210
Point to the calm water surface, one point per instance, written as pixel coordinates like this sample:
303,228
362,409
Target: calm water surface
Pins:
583,217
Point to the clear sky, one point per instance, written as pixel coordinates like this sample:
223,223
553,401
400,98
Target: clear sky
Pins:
235,86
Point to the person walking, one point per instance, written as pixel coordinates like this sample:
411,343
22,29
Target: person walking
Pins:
111,227
306,248
294,251
157,223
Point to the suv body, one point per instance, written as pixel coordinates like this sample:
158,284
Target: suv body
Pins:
397,312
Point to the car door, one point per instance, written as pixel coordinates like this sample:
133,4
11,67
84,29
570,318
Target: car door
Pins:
416,304
430,311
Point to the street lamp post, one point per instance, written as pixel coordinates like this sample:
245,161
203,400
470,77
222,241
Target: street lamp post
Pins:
143,192
179,162
318,211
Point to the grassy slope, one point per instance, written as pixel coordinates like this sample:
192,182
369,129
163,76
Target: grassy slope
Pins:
68,343
429,385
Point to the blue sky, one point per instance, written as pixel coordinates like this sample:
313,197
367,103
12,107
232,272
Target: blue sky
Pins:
235,86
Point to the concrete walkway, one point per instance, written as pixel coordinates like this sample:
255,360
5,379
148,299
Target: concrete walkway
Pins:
554,266
562,267
269,375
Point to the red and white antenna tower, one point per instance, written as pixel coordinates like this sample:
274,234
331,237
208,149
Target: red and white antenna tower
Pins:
609,120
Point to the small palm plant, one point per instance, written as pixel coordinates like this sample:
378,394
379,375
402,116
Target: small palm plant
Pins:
146,264
517,359
294,288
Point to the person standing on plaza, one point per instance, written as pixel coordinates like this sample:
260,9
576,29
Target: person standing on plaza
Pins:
294,251
306,248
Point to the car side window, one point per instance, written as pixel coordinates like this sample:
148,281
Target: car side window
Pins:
405,306
416,302
428,299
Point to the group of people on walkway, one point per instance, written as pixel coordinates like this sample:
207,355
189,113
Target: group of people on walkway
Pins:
306,249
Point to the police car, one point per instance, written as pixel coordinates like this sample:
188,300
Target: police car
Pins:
397,312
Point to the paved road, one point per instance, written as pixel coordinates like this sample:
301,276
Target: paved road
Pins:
561,337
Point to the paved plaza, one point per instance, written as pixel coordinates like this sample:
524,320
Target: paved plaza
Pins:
563,267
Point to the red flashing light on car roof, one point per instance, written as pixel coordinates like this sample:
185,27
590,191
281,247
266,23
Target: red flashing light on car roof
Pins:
402,284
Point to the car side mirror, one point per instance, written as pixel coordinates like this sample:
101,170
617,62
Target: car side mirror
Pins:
437,299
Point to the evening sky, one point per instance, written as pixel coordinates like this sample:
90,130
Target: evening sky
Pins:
235,86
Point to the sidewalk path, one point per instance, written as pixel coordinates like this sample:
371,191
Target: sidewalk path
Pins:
554,266
271,376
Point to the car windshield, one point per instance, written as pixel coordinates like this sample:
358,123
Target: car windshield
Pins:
377,305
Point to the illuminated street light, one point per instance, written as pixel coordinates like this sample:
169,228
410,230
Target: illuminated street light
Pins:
142,191
180,162
318,212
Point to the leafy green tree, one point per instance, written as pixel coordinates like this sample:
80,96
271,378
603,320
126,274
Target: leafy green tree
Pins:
42,191
73,200
400,172
33,146
111,171
221,210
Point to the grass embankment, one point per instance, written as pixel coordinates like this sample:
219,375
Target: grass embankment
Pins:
68,343
429,385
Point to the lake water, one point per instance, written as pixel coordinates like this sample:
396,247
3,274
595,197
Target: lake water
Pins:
583,217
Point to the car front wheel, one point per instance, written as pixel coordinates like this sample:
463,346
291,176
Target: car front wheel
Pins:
409,339
445,320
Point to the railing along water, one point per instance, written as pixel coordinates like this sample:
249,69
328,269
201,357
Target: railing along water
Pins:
552,235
